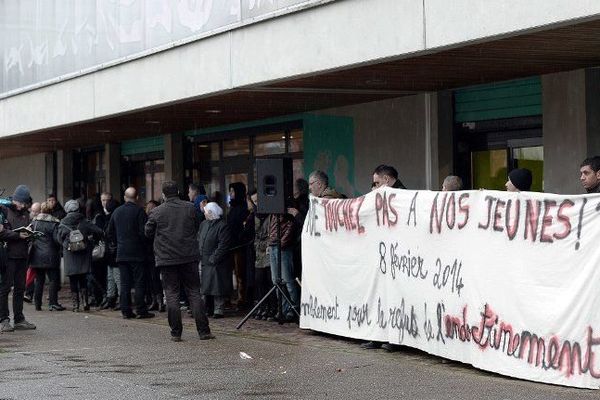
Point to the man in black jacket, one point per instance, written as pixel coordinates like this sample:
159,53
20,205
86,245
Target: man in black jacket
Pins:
174,225
386,175
126,228
15,216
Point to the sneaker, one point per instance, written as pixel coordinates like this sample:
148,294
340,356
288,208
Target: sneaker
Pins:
371,345
145,315
27,299
24,325
5,326
218,316
390,348
56,307
175,338
206,336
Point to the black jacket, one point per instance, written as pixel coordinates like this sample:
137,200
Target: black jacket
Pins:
174,226
17,247
214,241
398,185
126,228
45,252
238,212
77,262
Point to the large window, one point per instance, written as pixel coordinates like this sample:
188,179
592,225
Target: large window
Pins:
216,161
145,174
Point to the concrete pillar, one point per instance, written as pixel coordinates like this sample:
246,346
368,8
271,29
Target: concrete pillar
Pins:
174,159
445,144
571,126
64,175
112,163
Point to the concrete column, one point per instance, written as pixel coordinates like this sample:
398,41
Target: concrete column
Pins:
174,158
445,144
112,163
571,126
64,173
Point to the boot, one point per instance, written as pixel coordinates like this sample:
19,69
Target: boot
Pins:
75,301
154,305
86,300
109,303
161,303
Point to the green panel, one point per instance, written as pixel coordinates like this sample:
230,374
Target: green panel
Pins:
144,145
508,99
329,146
244,125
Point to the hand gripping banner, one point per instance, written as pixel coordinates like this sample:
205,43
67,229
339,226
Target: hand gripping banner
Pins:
507,282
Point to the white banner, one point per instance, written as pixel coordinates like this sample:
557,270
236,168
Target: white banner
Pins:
507,282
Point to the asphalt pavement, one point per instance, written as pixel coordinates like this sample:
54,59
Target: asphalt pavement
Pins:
99,355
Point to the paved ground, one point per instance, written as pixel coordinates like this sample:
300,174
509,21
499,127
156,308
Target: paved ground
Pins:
98,355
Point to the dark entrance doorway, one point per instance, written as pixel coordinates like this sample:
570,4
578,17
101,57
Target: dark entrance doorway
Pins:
485,151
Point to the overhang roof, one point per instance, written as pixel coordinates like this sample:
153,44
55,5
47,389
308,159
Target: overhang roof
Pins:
546,51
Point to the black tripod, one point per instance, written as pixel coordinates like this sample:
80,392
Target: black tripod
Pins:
279,286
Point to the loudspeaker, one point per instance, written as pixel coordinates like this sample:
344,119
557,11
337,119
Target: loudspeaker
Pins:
275,189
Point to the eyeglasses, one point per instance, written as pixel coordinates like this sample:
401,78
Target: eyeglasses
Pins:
310,183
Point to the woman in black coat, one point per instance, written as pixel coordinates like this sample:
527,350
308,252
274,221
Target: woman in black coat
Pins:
44,258
77,264
216,259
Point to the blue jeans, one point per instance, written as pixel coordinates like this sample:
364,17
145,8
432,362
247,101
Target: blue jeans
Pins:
287,275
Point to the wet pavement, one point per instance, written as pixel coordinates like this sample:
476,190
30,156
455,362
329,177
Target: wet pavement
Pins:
99,355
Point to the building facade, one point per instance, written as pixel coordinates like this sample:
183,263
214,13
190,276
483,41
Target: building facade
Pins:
99,95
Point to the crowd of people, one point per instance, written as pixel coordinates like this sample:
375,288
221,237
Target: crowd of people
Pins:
177,254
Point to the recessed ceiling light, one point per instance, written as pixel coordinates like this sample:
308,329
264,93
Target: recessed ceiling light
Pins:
376,82
102,130
213,111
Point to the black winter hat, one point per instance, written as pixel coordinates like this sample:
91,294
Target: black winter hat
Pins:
22,194
521,178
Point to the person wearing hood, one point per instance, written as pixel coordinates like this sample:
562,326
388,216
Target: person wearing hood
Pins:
16,215
44,258
238,212
78,262
215,240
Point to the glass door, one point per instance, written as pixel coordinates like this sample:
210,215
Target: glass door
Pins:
529,153
489,169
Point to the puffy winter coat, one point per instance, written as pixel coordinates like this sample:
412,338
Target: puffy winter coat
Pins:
45,252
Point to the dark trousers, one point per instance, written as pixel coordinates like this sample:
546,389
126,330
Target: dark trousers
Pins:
40,279
174,276
78,283
13,277
133,275
97,281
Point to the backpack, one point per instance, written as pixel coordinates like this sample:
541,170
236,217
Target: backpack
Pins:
76,240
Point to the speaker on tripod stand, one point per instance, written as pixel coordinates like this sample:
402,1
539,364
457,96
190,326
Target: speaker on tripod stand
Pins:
275,193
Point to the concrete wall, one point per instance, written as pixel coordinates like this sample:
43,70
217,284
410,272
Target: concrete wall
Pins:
571,126
394,132
28,170
333,36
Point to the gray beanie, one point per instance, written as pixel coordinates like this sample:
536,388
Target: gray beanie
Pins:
22,194
72,206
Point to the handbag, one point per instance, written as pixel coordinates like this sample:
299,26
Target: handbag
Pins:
99,251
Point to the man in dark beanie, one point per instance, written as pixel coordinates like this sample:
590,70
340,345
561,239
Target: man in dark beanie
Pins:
15,216
519,180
